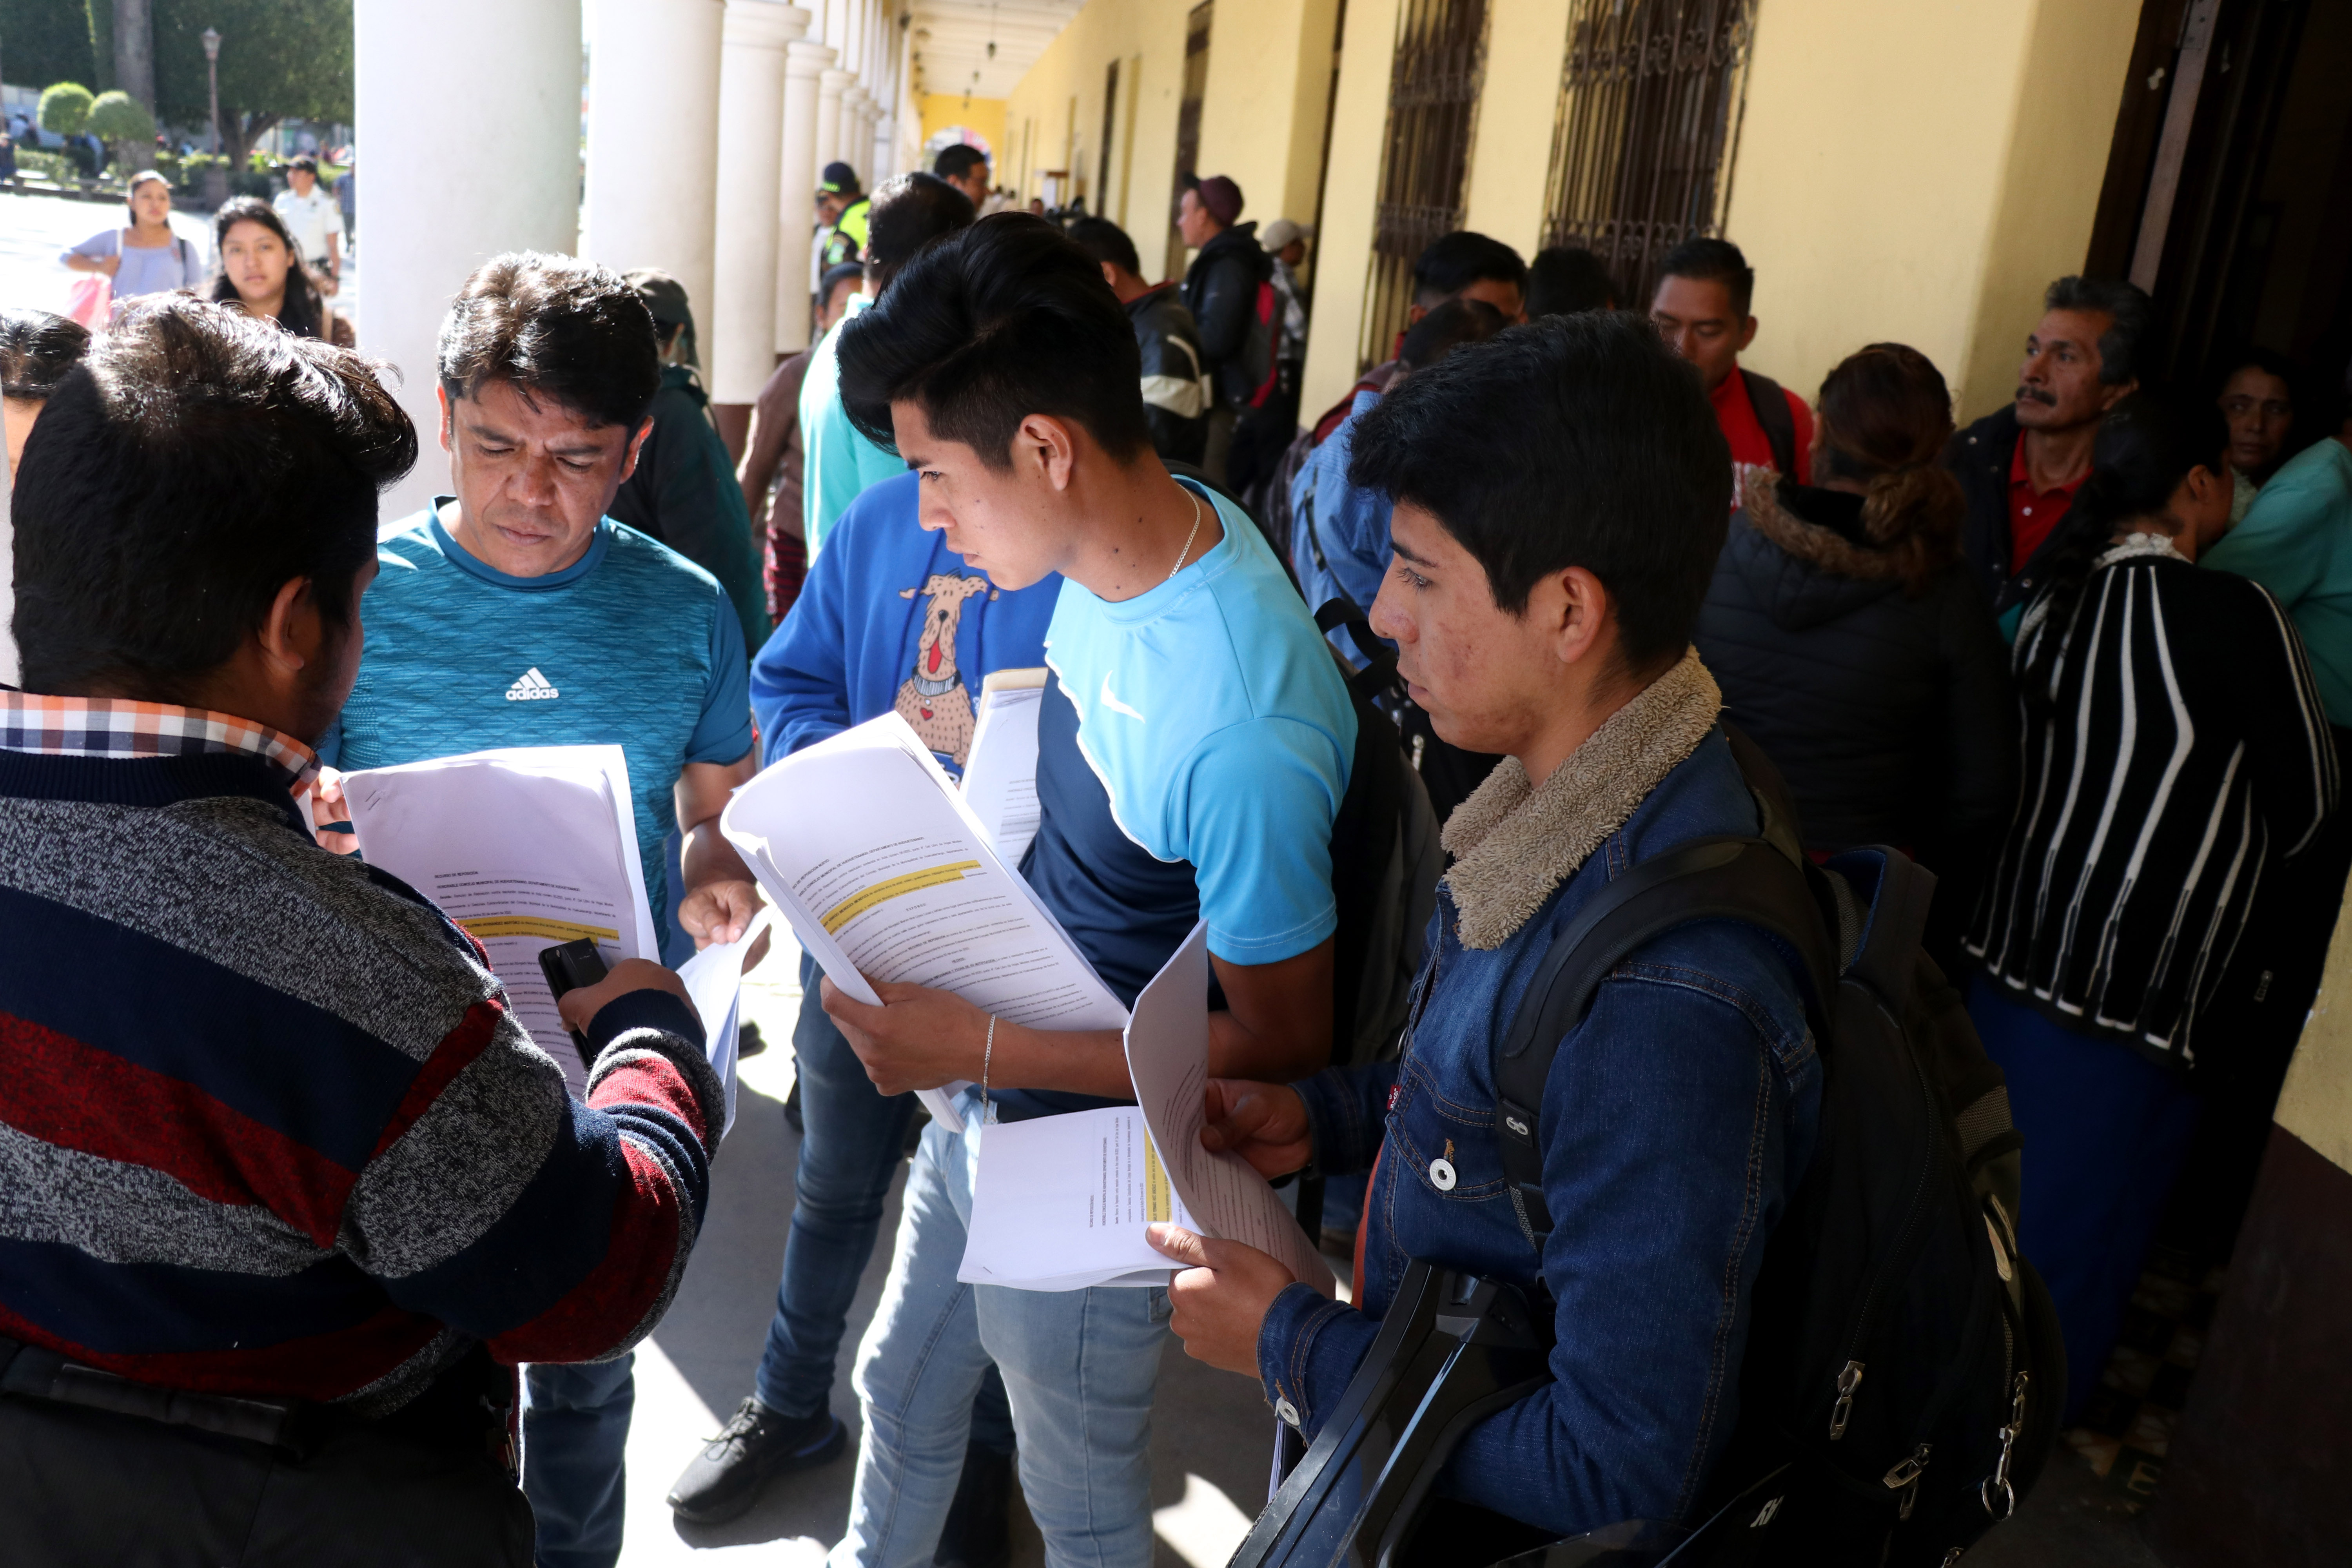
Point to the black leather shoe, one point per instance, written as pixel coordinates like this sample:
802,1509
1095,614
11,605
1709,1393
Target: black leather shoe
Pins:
979,1532
726,1477
749,1041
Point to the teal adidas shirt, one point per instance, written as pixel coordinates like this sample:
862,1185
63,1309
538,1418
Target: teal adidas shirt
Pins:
633,644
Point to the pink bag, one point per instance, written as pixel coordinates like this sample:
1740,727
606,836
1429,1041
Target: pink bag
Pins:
91,301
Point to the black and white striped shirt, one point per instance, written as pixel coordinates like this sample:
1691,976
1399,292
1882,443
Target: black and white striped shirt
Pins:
2175,746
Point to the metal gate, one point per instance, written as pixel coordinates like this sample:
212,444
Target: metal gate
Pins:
1643,145
1441,59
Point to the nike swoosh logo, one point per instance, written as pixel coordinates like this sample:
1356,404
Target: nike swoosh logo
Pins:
1115,705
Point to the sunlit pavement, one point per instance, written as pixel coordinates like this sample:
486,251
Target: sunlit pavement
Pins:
34,230
1211,1434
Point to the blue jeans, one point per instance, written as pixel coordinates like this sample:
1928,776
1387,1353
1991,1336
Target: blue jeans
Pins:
850,1150
2106,1132
1080,1366
575,1430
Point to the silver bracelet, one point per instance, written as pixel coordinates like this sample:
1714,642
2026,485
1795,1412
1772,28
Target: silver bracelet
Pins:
986,1052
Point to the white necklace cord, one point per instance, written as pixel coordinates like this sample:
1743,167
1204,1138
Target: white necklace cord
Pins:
1188,538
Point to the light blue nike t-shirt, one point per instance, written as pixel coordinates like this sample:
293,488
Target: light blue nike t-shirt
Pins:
633,644
1212,713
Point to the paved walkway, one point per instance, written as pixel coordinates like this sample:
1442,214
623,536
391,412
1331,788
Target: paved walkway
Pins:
32,229
1212,1437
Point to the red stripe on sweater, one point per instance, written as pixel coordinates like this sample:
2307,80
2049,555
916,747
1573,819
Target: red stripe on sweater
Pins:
617,1294
149,1118
652,1080
456,1052
317,1367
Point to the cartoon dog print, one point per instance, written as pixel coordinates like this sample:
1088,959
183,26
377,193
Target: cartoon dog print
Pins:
934,699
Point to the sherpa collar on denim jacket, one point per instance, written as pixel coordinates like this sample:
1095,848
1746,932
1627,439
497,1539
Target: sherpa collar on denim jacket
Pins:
1513,843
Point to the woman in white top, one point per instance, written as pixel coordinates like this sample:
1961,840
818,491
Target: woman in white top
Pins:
146,257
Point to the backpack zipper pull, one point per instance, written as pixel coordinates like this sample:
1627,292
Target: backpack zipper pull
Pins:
1849,1379
1998,1481
1904,1478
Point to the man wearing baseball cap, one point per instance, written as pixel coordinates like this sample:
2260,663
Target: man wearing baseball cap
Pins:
1220,290
842,208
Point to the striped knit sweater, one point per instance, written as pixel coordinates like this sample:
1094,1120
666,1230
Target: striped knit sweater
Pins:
268,1127
2173,747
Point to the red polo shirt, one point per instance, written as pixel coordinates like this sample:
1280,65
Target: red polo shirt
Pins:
1750,448
2032,513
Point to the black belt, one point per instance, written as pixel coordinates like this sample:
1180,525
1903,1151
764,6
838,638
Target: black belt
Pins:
36,1373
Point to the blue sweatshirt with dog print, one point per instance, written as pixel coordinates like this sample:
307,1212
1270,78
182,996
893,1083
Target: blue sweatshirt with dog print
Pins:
891,618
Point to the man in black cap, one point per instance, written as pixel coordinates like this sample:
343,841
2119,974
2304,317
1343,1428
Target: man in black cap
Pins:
841,212
683,492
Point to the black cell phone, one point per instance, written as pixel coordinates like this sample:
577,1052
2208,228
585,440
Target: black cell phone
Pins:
569,966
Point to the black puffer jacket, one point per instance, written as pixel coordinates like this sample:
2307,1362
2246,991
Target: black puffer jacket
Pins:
1220,290
1891,716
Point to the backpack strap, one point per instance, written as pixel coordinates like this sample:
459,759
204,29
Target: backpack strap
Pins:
1725,877
1772,405
1379,672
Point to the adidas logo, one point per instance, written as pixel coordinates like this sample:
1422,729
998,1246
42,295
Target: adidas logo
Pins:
532,687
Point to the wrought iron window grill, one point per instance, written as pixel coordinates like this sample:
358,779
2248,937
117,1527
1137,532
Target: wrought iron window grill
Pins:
1440,60
1647,130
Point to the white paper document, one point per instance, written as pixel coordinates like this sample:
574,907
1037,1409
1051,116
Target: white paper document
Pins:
1060,1203
714,980
999,776
526,848
872,854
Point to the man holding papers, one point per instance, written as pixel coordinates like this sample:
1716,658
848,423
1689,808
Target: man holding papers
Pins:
887,608
1560,499
288,1192
1193,749
516,613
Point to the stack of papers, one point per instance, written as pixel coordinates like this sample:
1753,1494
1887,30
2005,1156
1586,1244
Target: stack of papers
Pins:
886,874
1064,1202
526,847
867,847
1000,778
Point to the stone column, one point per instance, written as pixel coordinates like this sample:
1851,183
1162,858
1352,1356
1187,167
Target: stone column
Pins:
805,60
830,85
739,341
653,141
856,147
435,205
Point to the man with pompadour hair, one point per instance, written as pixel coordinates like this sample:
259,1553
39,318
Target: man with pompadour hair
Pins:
1561,494
289,1191
514,611
1193,749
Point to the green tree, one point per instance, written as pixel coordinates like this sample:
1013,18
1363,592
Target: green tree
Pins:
123,122
279,60
65,108
45,40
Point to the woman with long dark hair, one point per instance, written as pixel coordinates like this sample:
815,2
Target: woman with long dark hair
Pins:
2175,749
1855,647
261,272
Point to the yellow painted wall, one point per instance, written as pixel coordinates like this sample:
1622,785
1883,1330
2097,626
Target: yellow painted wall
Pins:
1262,117
1918,172
1147,37
2317,1105
983,116
1343,250
1510,158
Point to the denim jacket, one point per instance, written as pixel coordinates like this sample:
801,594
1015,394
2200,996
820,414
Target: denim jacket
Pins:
1676,1120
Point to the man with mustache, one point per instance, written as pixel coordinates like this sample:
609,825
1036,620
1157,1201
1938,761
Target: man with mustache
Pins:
2021,466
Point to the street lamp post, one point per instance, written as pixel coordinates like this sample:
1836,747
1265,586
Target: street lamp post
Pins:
215,177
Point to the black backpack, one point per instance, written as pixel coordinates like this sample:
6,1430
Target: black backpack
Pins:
1902,1358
